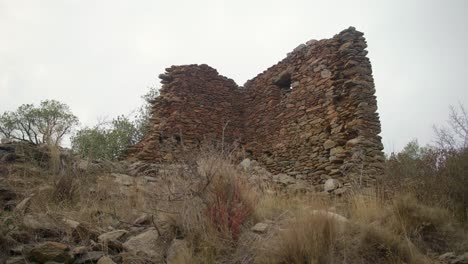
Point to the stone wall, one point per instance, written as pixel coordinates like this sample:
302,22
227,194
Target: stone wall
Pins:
312,115
194,106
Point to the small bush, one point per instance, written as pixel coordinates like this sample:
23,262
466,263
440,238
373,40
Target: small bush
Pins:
226,209
308,238
65,189
228,198
372,244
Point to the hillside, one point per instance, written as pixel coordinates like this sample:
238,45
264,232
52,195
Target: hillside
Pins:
212,208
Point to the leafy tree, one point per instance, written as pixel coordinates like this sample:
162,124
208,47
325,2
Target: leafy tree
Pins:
122,134
109,140
142,118
48,123
91,143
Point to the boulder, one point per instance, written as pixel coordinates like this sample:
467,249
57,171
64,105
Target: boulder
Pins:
144,243
284,179
143,219
79,250
245,164
461,259
178,252
260,228
353,142
41,223
111,236
50,251
340,191
330,185
80,231
298,187
105,260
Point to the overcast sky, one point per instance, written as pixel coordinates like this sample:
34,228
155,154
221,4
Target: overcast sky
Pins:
100,56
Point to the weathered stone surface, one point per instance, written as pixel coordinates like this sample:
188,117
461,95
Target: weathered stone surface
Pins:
329,144
312,111
143,219
330,185
340,191
80,231
16,260
110,236
40,223
298,187
105,260
284,179
178,252
245,164
144,243
325,74
260,228
447,257
461,259
79,250
23,205
330,215
50,251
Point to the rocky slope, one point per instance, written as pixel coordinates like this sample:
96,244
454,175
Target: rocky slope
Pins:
56,208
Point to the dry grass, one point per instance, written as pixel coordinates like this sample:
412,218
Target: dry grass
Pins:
306,238
212,205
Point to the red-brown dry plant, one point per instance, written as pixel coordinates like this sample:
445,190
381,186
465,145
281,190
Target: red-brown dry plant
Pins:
227,209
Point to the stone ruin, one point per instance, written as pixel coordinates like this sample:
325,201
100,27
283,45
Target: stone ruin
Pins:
311,116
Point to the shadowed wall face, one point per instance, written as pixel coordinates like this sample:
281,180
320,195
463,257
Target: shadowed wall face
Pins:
312,115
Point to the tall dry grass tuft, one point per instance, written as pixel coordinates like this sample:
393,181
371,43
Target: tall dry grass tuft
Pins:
227,195
429,228
307,238
214,214
55,160
374,244
65,189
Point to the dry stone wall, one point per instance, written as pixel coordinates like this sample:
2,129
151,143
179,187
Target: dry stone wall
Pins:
312,115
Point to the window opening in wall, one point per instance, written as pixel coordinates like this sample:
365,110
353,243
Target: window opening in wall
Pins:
284,81
162,137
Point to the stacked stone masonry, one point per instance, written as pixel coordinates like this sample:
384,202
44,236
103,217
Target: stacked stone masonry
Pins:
312,115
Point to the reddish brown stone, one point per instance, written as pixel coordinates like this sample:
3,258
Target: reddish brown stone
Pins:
320,92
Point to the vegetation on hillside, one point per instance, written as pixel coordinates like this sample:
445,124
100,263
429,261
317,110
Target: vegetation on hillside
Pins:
209,209
109,140
51,121
47,123
437,175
